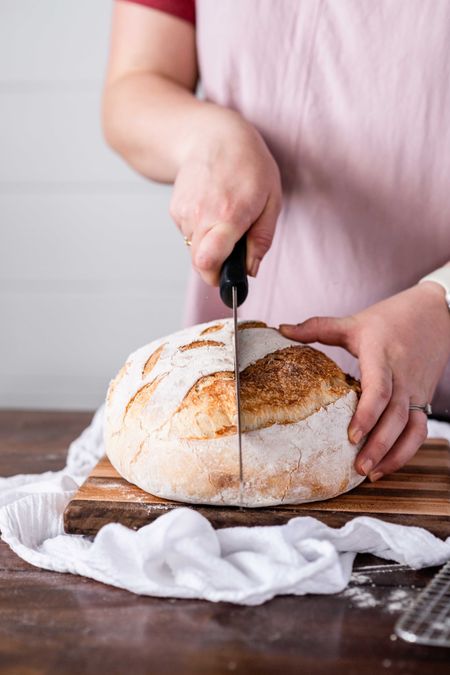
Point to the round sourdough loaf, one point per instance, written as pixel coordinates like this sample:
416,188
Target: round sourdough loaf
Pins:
171,418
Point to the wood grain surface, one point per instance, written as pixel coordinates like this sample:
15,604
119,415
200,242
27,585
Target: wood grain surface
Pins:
418,494
58,624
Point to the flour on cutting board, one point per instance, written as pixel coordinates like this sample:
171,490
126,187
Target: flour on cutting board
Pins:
400,599
361,595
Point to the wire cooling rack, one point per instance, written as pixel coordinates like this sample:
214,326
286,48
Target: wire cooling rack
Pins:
427,621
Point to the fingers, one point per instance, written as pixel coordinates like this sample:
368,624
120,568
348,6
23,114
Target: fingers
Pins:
404,448
386,432
325,329
382,414
213,242
260,235
211,248
376,385
216,220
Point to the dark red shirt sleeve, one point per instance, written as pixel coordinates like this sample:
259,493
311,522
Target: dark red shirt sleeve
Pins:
183,9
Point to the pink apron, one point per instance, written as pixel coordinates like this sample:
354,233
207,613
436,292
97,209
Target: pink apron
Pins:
353,99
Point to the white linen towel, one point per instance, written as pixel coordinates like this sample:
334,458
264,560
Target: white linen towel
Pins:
180,555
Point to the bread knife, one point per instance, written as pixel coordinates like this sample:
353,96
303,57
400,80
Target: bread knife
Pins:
233,291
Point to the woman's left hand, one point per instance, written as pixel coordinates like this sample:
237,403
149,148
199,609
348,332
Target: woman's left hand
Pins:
403,346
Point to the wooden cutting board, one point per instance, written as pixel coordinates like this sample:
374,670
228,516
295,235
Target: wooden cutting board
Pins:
418,494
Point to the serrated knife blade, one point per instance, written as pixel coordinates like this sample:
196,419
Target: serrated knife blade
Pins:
237,379
233,291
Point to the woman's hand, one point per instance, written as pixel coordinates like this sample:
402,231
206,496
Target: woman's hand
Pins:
226,180
403,346
228,184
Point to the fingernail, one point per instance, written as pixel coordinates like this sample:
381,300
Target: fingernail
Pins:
366,466
254,267
375,475
289,331
355,435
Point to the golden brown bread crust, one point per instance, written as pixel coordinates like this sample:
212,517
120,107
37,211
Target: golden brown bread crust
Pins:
283,387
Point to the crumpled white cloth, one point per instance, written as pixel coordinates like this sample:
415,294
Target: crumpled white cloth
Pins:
181,555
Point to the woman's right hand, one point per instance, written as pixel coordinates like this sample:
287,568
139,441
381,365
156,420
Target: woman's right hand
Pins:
228,183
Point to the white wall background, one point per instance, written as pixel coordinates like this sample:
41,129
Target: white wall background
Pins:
91,266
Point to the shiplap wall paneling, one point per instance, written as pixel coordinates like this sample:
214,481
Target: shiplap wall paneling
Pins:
91,266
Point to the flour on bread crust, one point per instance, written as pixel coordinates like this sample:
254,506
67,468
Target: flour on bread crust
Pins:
171,418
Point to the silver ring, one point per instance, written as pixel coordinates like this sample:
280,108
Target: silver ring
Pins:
426,408
187,241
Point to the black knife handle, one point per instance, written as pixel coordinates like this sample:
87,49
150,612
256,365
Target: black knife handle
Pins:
234,273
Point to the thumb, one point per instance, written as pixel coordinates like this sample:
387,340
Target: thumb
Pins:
260,235
210,249
326,329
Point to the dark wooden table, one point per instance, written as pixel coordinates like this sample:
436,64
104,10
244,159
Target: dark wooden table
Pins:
59,623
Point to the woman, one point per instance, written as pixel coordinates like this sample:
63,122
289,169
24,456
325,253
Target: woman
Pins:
325,136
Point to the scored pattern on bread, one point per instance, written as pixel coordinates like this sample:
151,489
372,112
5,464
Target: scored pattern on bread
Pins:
212,329
243,325
169,355
201,343
151,361
143,395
